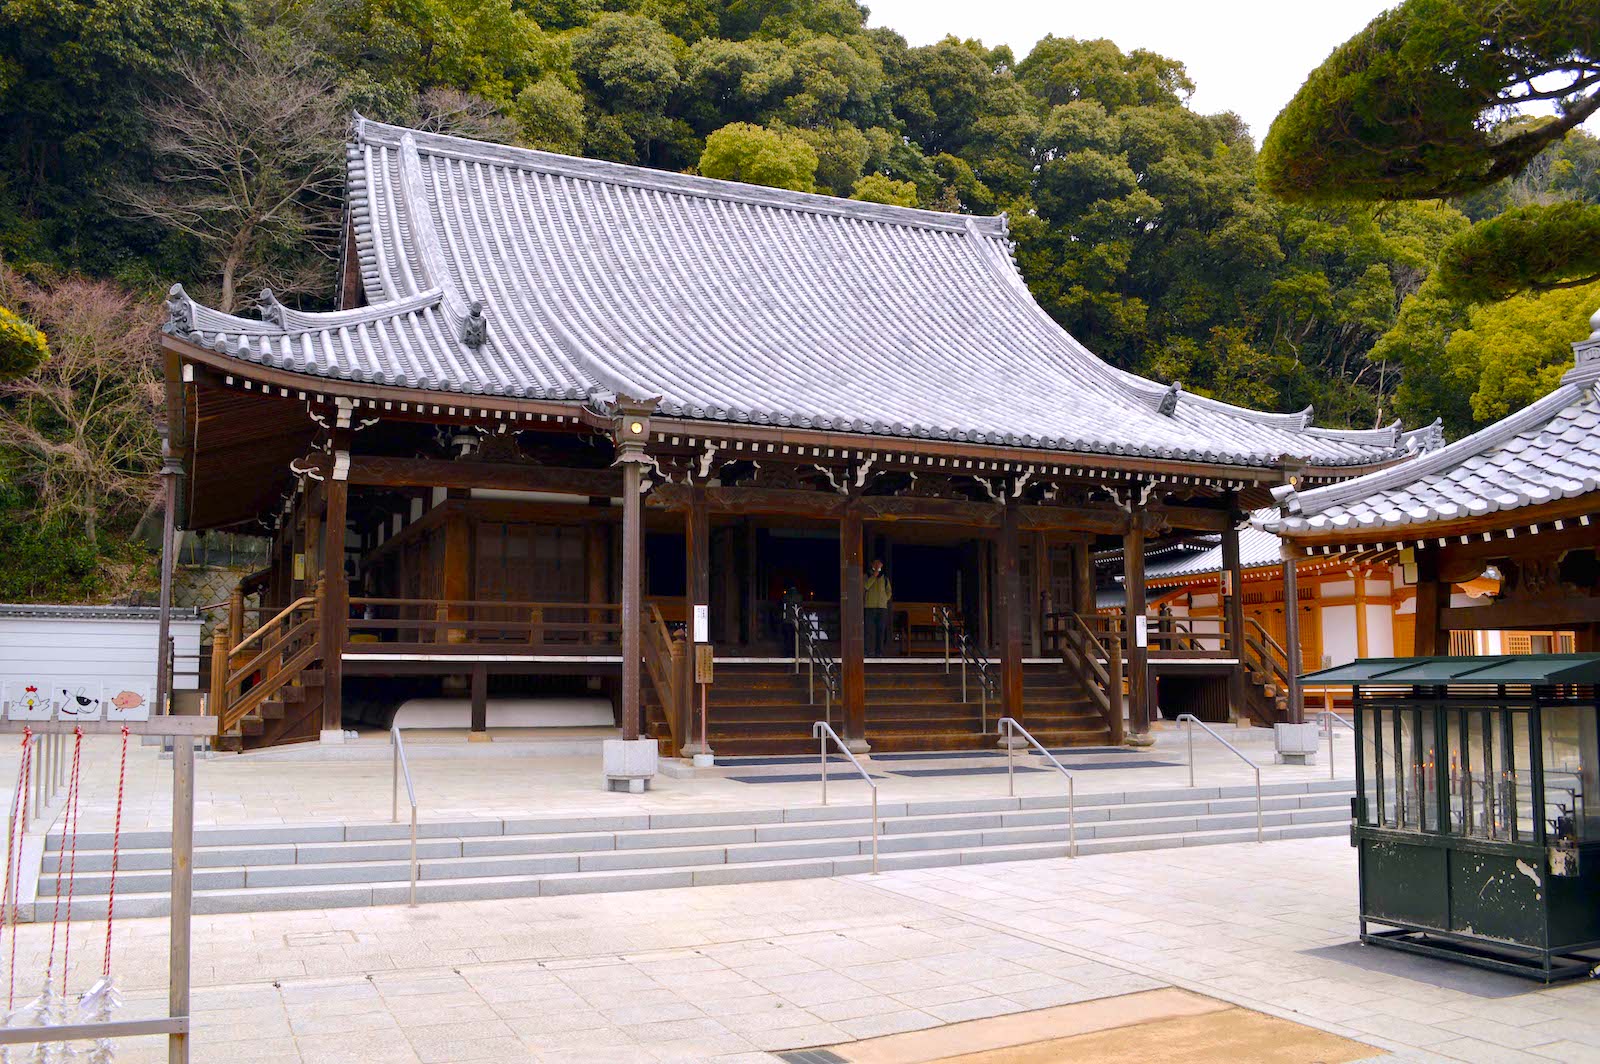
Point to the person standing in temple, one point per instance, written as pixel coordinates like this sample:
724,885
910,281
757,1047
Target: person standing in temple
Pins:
876,595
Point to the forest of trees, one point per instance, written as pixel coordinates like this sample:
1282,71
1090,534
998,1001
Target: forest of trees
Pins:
147,141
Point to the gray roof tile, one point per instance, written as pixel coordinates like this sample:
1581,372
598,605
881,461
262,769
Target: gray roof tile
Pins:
730,302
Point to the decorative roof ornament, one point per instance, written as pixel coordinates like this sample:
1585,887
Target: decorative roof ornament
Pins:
272,310
475,330
180,311
1427,438
1169,402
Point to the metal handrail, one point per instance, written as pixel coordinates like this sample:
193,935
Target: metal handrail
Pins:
969,656
805,634
1005,724
1328,719
402,765
1189,720
823,731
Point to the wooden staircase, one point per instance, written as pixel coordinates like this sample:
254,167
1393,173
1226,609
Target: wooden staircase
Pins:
268,688
1266,664
762,709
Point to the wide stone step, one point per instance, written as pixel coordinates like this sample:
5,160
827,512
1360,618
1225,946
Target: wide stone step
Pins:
225,899
833,828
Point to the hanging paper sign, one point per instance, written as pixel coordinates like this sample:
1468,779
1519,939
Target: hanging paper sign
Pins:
1141,631
702,624
128,701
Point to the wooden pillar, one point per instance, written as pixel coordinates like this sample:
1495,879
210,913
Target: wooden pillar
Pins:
236,614
1036,592
697,592
852,632
1232,590
457,571
985,600
1433,596
1361,614
1012,606
632,621
1083,578
1291,634
336,610
1138,656
751,584
595,559
480,703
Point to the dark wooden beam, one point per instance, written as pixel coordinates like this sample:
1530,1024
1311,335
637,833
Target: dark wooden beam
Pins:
375,470
1537,614
480,702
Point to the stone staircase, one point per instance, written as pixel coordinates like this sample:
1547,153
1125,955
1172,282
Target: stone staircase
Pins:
253,869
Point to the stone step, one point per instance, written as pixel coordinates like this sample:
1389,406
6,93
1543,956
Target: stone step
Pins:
227,899
328,863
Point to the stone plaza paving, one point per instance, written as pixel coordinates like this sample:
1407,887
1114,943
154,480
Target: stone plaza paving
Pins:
733,973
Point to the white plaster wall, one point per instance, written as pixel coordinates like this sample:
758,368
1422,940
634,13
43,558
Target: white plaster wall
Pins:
1380,632
1338,634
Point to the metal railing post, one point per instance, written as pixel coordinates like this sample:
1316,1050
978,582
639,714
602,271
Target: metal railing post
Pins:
823,732
963,677
1009,728
822,761
413,855
811,680
1188,730
394,782
1327,722
983,720
1189,720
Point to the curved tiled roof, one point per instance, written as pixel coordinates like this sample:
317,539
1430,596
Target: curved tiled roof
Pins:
1548,451
729,302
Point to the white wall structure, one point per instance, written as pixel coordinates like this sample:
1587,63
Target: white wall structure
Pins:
90,662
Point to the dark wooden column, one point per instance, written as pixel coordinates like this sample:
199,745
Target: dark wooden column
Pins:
632,570
1036,592
752,576
480,703
1012,605
852,632
335,607
1291,634
1083,578
697,592
1138,656
1433,595
457,582
1232,592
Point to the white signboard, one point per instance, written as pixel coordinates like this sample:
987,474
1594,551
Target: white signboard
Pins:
1141,631
702,624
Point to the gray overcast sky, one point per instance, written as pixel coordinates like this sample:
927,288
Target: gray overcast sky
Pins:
1247,56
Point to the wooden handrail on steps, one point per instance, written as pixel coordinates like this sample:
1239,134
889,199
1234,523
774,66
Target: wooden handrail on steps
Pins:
268,659
1082,650
663,662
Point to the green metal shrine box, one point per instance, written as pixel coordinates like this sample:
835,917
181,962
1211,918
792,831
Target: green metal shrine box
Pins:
1477,809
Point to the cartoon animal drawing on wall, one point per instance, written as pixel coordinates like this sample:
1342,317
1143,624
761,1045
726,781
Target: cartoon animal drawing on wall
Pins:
78,705
32,704
127,704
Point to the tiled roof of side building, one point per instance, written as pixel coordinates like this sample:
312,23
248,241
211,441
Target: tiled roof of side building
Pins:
1546,452
508,272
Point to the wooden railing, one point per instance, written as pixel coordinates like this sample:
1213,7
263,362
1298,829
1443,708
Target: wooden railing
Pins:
263,662
402,625
1263,655
664,663
1096,661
